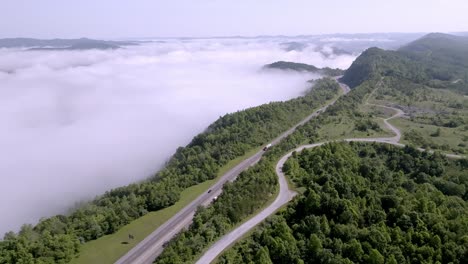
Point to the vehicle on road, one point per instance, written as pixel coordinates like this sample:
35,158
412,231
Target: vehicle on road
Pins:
267,147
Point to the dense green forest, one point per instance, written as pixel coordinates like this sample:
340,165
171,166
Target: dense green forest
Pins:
366,203
446,57
57,239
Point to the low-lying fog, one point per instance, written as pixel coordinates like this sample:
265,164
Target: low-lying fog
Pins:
74,124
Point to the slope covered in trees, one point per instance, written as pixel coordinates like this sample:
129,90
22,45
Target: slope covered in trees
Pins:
436,60
438,48
366,203
302,67
57,239
369,203
376,62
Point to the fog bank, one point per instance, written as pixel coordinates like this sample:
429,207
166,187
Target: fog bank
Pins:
74,124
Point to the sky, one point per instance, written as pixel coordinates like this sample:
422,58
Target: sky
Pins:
204,18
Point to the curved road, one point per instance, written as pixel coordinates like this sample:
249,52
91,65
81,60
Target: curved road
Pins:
147,250
285,194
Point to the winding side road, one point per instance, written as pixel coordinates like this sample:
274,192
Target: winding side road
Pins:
285,194
147,250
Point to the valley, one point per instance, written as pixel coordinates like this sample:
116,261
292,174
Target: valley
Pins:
353,172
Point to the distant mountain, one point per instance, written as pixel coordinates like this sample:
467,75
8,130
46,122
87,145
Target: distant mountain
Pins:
62,44
437,42
375,62
294,46
83,46
438,60
302,67
328,51
445,55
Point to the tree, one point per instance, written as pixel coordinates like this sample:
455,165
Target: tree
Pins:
262,256
375,257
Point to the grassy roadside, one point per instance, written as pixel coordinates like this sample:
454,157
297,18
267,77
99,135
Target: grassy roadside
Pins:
110,248
345,128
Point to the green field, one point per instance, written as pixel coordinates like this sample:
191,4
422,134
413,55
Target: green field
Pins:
435,118
450,139
343,128
110,248
377,111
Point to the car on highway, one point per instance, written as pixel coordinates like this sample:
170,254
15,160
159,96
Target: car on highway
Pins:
267,147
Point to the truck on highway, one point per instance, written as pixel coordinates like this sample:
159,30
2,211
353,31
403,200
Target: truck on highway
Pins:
267,147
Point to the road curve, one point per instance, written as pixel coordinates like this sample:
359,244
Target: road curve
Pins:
285,195
147,250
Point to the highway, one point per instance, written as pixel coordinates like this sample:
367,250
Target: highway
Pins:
147,250
285,194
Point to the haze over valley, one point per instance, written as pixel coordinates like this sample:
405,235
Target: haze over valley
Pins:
75,124
231,132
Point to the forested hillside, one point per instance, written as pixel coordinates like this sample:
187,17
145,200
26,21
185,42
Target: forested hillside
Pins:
302,67
366,203
436,60
57,239
375,203
376,62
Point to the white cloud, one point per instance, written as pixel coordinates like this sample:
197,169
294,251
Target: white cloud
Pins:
75,124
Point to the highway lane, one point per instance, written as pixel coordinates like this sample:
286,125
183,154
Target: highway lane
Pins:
147,250
284,196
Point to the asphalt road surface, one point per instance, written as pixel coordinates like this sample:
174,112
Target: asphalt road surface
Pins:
147,250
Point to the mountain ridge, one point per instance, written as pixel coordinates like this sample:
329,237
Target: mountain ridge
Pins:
437,60
62,44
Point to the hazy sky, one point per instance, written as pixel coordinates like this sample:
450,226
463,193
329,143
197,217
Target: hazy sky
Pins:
171,18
